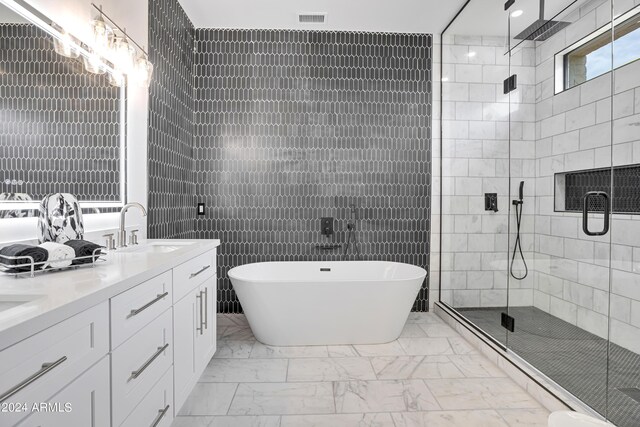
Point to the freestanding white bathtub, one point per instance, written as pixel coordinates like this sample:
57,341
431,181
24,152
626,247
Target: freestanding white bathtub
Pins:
322,303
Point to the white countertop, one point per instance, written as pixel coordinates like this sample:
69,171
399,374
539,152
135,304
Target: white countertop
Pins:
56,296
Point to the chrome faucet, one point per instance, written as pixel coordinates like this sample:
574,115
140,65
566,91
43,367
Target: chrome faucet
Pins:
122,233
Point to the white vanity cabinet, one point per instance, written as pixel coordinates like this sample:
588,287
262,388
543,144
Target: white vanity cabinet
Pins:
194,323
88,399
52,366
130,360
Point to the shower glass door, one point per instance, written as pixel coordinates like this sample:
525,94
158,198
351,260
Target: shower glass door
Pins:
559,245
624,303
475,167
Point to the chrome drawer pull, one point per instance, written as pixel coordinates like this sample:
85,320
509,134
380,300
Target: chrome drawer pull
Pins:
147,305
199,297
206,311
46,367
206,267
136,374
161,414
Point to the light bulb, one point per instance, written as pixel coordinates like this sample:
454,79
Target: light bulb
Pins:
471,54
143,71
516,13
124,53
102,35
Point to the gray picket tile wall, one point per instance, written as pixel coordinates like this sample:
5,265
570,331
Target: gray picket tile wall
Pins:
291,126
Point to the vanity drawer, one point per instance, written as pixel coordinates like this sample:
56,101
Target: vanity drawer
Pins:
38,367
139,363
156,408
193,272
135,308
85,401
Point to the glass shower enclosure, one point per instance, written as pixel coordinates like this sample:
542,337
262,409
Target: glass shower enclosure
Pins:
540,189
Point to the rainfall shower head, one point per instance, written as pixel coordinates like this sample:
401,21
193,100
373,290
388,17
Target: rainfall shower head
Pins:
541,29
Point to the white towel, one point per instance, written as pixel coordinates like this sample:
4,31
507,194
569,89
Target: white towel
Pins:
60,255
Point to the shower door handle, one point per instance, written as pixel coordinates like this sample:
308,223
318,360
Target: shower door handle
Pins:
585,213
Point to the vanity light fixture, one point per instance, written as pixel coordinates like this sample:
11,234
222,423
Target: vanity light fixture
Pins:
124,54
143,71
102,35
129,58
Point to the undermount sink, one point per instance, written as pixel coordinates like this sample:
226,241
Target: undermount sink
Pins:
156,247
7,302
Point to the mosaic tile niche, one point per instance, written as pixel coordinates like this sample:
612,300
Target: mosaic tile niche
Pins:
292,126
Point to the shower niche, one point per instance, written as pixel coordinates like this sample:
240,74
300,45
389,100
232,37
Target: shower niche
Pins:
531,275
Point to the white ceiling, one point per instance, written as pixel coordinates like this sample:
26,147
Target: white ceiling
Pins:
410,16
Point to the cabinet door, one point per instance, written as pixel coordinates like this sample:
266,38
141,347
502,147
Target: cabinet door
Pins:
84,402
206,337
185,318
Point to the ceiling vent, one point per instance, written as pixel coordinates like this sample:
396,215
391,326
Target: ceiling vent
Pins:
312,18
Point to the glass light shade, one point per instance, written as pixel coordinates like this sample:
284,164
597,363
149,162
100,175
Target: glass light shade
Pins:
143,71
65,45
116,78
93,63
124,53
102,35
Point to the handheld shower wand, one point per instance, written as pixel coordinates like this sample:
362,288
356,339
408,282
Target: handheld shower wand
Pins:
351,233
518,245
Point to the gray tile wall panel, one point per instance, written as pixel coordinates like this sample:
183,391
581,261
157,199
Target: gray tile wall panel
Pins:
170,139
291,126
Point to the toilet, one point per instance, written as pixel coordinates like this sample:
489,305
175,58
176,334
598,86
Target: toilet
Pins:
574,419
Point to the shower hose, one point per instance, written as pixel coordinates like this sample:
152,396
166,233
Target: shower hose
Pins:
518,245
351,235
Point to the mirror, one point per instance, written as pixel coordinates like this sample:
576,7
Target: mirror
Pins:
61,126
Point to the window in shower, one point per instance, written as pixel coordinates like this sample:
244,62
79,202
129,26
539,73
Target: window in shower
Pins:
592,56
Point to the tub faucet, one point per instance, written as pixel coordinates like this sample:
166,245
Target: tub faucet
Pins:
122,233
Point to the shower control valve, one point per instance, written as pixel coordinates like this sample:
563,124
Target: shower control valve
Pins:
326,226
491,202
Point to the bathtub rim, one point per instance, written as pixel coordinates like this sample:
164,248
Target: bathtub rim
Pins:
422,276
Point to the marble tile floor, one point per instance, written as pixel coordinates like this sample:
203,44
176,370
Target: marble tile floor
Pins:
430,377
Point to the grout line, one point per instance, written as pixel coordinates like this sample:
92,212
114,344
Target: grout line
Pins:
286,376
233,398
333,392
372,368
